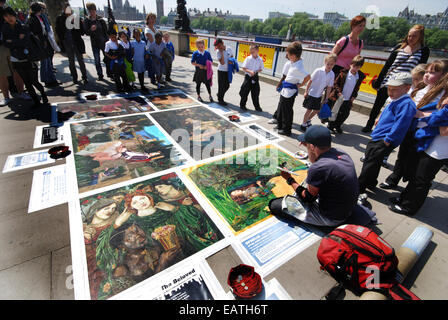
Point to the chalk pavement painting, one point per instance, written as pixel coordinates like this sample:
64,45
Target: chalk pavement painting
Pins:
240,187
134,232
114,150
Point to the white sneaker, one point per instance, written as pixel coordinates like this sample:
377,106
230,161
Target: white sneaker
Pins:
4,102
362,199
272,121
24,96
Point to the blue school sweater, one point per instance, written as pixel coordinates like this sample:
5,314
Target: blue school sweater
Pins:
395,121
201,59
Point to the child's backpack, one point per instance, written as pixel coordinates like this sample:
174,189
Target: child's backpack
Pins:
361,260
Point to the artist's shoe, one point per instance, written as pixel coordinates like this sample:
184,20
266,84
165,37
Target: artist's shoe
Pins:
211,99
169,79
44,99
258,109
395,200
75,81
362,199
85,81
303,128
387,186
200,99
222,103
144,89
243,108
100,78
398,209
273,121
445,168
284,133
366,129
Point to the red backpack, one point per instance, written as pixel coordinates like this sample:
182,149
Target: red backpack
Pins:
361,260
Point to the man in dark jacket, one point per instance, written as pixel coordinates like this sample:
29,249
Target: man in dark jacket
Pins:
71,41
96,28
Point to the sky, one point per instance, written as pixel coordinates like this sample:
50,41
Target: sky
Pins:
260,8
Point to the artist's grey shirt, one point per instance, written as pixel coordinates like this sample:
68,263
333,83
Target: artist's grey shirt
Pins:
335,175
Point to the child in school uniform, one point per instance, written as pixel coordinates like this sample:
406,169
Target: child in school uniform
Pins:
284,73
297,77
116,53
252,65
347,85
156,49
139,49
124,42
169,45
321,79
199,60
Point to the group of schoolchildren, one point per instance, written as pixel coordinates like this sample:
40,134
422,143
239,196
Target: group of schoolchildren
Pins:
415,118
126,57
227,66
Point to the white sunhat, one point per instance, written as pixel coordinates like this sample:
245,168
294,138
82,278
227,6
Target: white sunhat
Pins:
399,79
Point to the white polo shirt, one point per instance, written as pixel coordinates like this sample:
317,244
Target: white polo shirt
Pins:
295,75
227,54
320,79
349,85
253,64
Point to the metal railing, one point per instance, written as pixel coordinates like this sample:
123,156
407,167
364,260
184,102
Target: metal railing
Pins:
312,58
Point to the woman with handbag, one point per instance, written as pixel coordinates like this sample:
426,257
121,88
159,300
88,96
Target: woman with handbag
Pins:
17,38
37,28
405,57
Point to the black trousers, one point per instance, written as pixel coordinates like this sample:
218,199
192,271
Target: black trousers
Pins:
380,100
285,113
250,85
414,195
207,85
343,114
223,84
72,51
406,163
374,156
28,71
120,78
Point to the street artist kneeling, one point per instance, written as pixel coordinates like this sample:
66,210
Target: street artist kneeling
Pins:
329,195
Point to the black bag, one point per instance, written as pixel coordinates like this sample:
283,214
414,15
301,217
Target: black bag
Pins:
36,52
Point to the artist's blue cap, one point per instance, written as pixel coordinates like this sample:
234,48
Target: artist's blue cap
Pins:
316,135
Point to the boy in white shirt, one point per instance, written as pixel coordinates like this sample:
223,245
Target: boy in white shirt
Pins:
252,65
223,54
322,78
297,77
347,85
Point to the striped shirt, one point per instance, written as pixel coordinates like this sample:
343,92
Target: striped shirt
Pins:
404,62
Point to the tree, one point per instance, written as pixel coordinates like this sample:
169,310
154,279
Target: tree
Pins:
164,20
23,5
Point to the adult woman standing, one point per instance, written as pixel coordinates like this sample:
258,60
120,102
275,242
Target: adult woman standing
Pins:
404,58
37,28
349,46
150,29
17,38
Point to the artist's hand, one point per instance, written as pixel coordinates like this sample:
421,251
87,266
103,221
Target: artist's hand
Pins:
285,175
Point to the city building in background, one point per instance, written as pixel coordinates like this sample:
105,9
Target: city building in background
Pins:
335,19
160,12
439,20
277,14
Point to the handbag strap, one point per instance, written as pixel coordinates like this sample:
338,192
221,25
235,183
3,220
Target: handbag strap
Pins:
392,70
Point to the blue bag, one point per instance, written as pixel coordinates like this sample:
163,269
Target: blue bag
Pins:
325,111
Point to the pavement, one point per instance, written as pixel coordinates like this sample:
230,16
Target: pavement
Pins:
35,261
